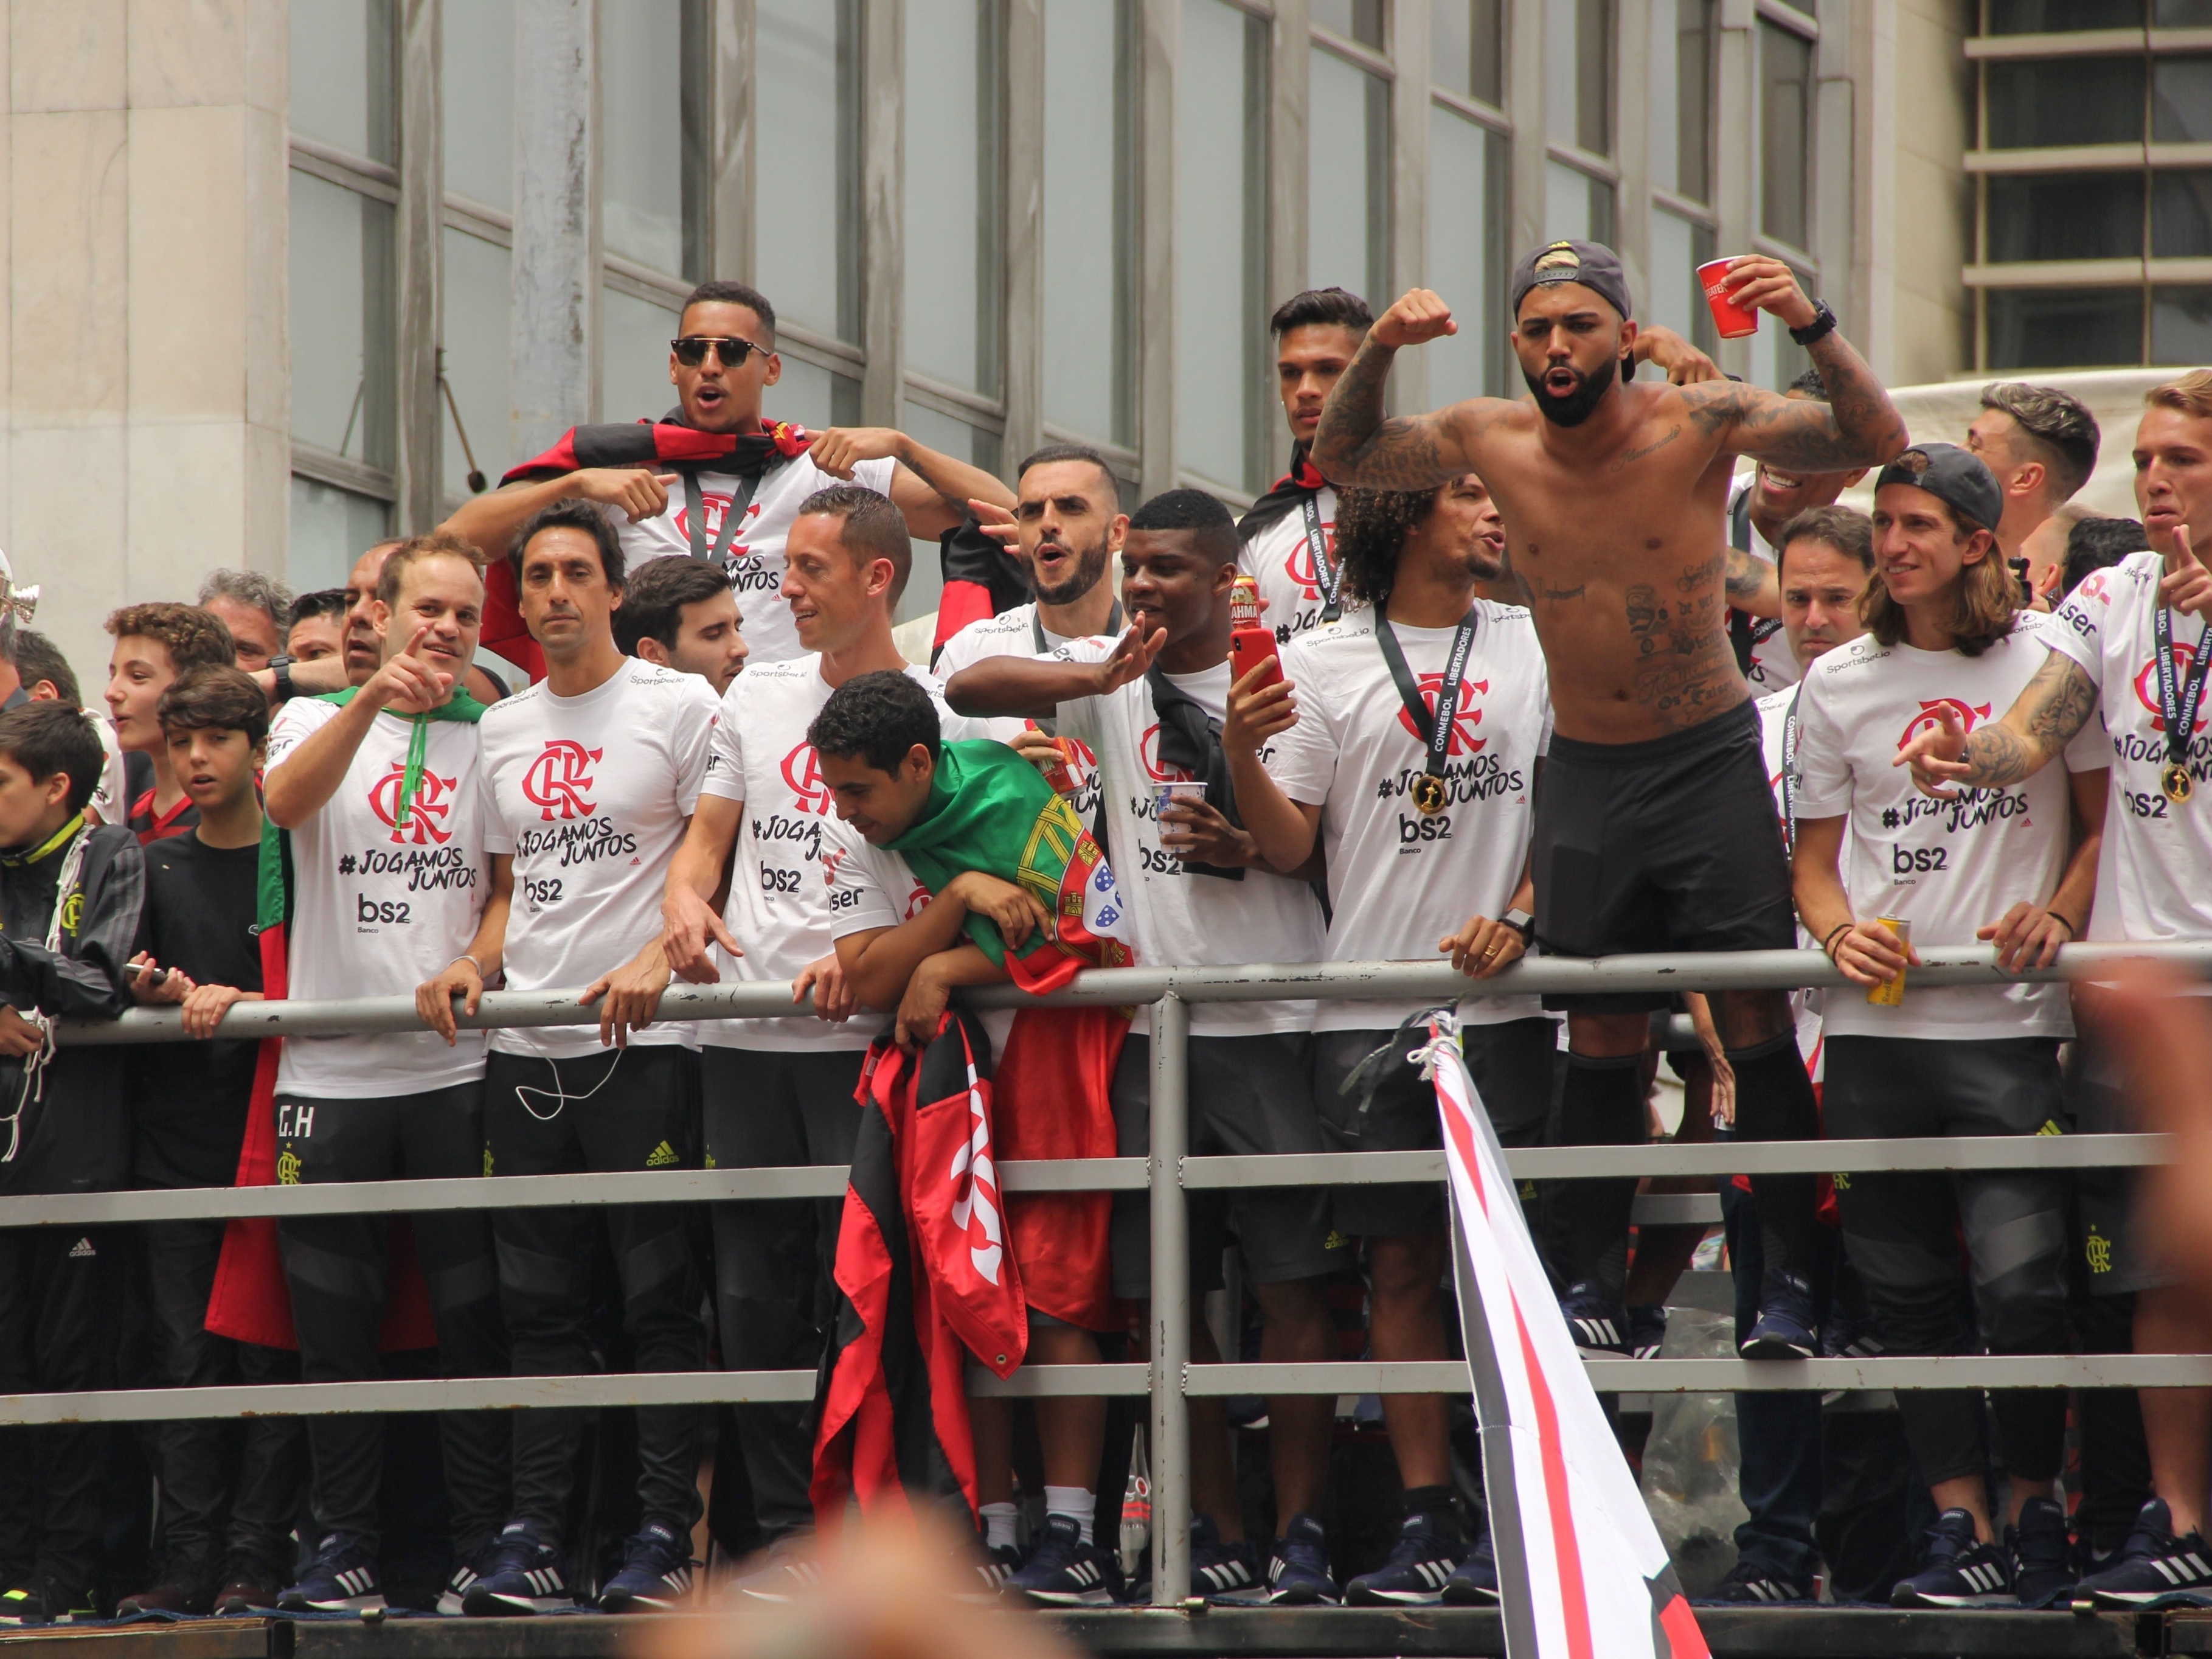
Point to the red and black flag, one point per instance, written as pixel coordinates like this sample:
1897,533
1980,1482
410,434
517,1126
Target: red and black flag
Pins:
981,579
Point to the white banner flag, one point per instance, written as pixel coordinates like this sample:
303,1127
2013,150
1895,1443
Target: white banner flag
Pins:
1581,1571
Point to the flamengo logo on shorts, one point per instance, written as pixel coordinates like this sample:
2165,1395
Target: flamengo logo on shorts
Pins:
1298,563
802,770
1148,750
559,777
2146,686
425,814
1926,720
1465,717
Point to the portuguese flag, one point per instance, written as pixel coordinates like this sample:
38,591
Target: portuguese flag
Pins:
991,810
250,1301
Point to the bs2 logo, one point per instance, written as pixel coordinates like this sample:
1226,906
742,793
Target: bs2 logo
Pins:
558,777
802,770
1465,716
425,814
1927,720
2146,688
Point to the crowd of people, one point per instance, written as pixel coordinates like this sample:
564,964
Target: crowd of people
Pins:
1546,676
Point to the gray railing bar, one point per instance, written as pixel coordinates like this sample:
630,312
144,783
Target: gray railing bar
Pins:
1715,1376
1171,1308
1786,970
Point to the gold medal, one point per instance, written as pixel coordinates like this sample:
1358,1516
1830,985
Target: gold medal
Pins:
1430,796
2175,783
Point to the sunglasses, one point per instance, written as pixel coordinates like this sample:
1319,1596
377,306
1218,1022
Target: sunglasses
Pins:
691,350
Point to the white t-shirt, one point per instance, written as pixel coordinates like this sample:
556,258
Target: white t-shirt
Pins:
755,561
1196,920
1281,562
591,796
2152,880
1773,725
1014,633
779,908
1947,867
1399,881
377,910
108,799
1773,664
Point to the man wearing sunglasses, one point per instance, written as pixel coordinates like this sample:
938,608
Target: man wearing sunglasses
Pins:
712,478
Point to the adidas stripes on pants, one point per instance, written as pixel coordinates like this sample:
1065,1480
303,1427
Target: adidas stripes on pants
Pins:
622,1109
336,1269
57,1289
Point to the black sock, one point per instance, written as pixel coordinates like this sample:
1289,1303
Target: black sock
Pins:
1774,1101
1601,1104
1438,1501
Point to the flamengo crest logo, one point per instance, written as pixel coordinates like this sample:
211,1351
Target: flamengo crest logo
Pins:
802,770
1926,720
1465,719
714,508
559,777
425,814
1298,563
2147,686
975,1188
1148,750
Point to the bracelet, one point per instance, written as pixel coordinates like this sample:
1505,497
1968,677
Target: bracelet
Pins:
465,957
1841,927
2072,932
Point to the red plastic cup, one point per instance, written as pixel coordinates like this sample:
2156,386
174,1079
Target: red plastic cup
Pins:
1734,322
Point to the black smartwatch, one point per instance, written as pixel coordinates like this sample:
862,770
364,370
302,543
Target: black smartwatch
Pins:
1522,923
281,666
1823,325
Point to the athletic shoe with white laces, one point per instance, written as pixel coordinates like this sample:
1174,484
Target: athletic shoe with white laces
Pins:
2154,1569
465,1576
1961,1571
1784,1328
1475,1583
525,1574
1298,1571
1223,1571
1422,1561
342,1578
1064,1571
1750,1585
1598,1324
1647,1330
655,1575
2042,1554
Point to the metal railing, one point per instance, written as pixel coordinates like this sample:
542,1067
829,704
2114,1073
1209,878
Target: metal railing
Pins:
1168,1376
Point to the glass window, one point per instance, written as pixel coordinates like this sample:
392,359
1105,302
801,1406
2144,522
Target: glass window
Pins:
1348,180
475,359
2055,16
954,193
633,337
1220,161
1786,115
1467,47
2181,326
2068,216
1090,215
331,528
1681,97
2181,216
652,152
806,217
2075,100
1466,223
942,433
2181,14
815,397
341,321
1575,205
1578,73
2181,101
476,100
2069,328
1355,19
344,92
1679,246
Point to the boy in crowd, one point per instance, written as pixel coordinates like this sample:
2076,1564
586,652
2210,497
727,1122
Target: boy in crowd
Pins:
72,904
155,644
45,675
780,1091
376,788
2040,445
1946,642
588,783
230,1492
678,611
317,630
1418,824
1149,706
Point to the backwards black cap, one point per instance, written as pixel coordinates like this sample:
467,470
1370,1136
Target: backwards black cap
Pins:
1954,476
1593,264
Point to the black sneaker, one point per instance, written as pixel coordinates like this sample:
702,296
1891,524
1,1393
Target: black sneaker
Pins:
2042,1554
992,1571
2153,1568
1961,1571
655,1576
1785,1328
342,1578
1474,1584
1298,1571
525,1575
1750,1585
45,1603
1647,1330
1223,1571
1422,1561
1064,1571
465,1576
1598,1324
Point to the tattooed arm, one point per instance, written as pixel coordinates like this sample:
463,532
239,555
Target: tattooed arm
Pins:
2046,715
1354,445
1754,586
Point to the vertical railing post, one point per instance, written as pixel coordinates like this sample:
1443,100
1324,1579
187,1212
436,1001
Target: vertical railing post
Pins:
1170,1355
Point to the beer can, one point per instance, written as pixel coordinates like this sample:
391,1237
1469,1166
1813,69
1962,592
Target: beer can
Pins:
1057,771
1892,994
1244,603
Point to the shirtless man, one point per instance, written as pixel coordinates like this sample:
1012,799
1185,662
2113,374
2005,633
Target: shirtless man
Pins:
1655,829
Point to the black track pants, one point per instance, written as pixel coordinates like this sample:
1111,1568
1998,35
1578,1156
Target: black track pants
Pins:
627,1109
336,1267
57,1288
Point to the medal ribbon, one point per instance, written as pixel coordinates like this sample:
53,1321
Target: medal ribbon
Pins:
1327,573
695,520
1436,732
2178,701
1788,764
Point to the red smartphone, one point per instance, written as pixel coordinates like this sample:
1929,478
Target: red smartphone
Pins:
1247,648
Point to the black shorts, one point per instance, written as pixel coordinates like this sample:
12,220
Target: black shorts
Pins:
1669,845
1511,1066
1247,1095
2114,1256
